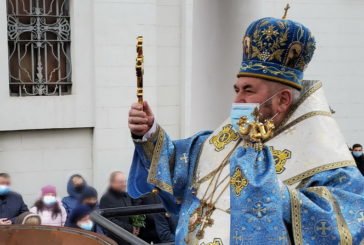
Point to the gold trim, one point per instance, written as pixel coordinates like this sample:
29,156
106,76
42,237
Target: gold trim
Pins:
148,146
296,217
302,118
271,78
322,168
154,164
344,232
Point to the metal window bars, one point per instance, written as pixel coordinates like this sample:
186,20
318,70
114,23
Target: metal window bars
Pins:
100,218
39,38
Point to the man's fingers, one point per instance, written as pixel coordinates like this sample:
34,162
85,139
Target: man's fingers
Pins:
137,106
147,109
138,120
136,113
141,128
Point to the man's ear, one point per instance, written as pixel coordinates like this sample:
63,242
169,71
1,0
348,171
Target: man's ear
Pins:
285,100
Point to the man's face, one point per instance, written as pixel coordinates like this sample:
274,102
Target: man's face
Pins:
256,90
119,183
358,149
77,181
4,181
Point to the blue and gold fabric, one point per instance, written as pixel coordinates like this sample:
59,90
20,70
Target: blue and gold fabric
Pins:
278,50
316,191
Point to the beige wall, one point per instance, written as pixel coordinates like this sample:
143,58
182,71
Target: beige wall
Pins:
43,157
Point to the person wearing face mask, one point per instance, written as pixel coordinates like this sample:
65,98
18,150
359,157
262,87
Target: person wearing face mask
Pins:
80,218
89,198
357,151
75,187
50,210
300,187
11,203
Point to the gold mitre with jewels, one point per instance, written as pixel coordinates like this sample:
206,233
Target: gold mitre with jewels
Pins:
278,50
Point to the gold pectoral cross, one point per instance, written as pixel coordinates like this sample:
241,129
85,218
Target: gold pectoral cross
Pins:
205,222
201,219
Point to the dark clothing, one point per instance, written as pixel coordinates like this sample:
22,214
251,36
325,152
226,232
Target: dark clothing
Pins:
113,199
88,192
159,228
360,163
71,201
165,227
12,205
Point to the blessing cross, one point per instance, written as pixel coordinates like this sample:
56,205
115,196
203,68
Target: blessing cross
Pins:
184,158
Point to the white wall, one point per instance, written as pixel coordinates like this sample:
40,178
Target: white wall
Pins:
116,26
41,157
218,30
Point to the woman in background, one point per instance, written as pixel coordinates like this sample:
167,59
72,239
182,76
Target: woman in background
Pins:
80,218
50,210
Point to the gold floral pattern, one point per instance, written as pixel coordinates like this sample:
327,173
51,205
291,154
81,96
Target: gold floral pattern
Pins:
224,137
280,158
238,181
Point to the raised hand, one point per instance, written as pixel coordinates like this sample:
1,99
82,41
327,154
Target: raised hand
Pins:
141,118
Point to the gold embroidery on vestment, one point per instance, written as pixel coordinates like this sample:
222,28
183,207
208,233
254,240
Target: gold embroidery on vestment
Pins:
238,181
224,137
280,158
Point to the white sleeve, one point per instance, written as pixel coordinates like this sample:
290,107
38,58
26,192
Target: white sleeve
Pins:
148,134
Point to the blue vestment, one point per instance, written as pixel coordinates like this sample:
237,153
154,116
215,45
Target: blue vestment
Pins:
327,208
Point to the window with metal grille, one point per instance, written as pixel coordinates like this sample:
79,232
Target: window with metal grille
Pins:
39,47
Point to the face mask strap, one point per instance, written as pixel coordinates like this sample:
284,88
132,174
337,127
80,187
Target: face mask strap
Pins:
274,116
260,114
269,98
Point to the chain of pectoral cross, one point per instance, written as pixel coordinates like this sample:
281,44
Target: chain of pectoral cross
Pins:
208,202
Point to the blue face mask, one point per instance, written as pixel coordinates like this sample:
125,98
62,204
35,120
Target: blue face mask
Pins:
239,110
87,225
357,153
49,200
4,189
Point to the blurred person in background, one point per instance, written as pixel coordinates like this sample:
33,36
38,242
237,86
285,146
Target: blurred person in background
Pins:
50,210
89,198
80,218
116,197
11,203
75,186
357,151
28,218
160,227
